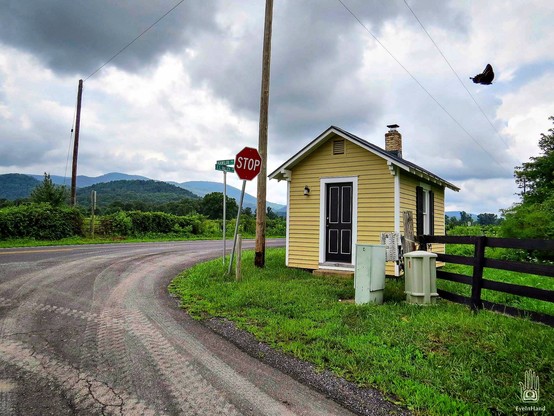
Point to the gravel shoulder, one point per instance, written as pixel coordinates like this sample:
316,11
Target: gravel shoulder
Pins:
361,401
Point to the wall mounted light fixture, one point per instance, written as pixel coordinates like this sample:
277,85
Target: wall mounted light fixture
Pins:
306,190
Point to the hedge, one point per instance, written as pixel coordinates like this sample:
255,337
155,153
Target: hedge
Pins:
40,221
136,223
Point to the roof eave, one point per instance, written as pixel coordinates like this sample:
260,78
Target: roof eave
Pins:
314,144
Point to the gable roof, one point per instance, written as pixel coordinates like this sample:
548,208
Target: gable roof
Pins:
280,172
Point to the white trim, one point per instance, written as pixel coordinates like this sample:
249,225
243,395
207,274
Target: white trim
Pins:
322,138
397,212
341,239
426,200
287,234
338,268
322,209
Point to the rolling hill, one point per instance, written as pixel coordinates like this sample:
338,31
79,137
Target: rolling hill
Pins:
127,193
145,191
83,181
202,188
16,186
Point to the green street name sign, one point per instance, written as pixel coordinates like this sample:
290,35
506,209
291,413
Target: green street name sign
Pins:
224,168
229,162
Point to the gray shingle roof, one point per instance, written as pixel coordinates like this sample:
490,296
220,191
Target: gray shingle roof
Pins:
392,158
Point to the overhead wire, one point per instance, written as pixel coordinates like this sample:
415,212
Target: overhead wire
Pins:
419,83
455,73
107,62
69,145
134,40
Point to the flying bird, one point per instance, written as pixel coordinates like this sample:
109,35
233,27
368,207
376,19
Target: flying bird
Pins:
484,77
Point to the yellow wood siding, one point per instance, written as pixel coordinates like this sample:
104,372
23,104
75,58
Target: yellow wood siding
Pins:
375,199
375,193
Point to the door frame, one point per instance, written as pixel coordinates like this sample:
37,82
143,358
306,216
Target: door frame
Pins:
322,221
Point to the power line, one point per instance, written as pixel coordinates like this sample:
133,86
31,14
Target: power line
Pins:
455,73
135,39
419,83
69,146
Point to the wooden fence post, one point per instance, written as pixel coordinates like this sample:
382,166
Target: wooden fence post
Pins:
422,241
409,239
477,278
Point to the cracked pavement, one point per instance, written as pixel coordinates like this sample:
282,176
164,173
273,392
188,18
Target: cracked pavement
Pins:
92,330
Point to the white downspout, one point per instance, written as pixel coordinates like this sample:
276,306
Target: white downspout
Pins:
395,172
288,225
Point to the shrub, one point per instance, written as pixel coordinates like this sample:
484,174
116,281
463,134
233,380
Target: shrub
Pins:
136,223
277,227
40,221
475,230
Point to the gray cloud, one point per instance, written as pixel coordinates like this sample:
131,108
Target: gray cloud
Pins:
316,53
77,36
188,91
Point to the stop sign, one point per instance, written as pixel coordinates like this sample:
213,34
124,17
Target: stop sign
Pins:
248,163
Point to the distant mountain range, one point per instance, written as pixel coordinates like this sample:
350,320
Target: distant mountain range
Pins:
202,188
15,186
83,181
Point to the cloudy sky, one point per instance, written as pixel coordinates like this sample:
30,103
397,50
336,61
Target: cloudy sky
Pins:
187,92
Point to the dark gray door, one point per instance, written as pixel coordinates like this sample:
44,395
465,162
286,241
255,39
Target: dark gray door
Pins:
339,222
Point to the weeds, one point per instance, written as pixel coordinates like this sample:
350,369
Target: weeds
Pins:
435,360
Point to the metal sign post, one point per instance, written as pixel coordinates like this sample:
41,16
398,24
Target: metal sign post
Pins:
236,228
224,215
223,165
248,164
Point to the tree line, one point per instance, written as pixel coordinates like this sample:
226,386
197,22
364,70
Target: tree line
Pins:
531,217
42,215
468,220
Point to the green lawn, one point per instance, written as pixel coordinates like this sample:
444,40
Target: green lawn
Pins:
439,360
529,304
523,279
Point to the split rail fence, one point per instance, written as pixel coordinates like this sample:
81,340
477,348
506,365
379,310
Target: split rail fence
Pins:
479,262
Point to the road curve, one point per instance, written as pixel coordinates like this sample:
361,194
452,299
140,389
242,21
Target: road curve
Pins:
92,330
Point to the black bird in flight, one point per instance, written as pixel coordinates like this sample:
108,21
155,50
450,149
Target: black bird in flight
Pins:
484,77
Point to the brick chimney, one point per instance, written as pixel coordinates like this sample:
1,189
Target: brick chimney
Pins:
393,140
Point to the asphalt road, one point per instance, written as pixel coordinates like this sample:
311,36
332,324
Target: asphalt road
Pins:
92,330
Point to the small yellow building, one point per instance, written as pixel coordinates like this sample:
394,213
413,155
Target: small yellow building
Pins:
343,191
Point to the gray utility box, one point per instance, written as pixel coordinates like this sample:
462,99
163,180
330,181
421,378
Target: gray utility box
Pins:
369,275
420,277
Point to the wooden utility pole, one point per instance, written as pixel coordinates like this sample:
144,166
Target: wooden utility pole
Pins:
259,259
76,146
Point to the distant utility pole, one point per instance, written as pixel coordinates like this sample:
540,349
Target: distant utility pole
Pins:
76,146
259,259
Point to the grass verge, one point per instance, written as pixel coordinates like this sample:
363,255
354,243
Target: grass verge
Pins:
147,238
31,242
438,360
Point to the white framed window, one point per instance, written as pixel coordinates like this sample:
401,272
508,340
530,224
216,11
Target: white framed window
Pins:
425,211
425,200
